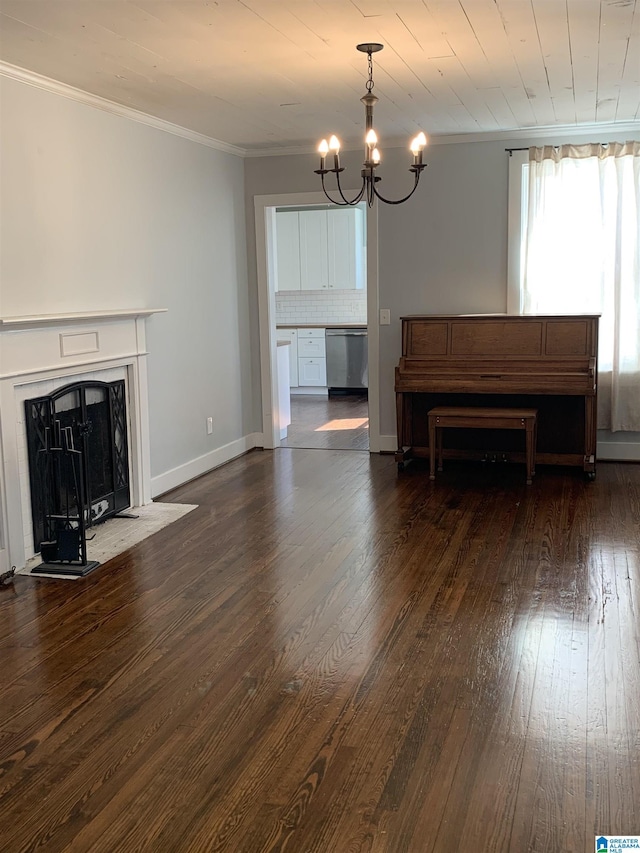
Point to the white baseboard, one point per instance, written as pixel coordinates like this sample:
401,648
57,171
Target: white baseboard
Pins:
388,443
618,451
316,390
196,467
606,450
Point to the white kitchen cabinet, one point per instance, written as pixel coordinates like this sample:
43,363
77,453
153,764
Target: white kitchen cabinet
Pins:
283,413
329,252
287,264
291,335
314,258
311,332
312,362
312,371
345,243
311,347
307,356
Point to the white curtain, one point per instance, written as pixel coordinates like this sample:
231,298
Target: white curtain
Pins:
581,256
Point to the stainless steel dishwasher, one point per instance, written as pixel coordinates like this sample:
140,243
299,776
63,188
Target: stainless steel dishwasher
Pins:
347,360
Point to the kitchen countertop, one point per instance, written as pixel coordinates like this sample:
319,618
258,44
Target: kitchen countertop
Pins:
321,326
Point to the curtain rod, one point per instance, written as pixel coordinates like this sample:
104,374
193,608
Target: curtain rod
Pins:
511,150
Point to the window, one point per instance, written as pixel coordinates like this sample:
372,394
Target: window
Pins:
576,213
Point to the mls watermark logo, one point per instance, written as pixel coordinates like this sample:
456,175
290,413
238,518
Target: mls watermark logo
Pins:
617,843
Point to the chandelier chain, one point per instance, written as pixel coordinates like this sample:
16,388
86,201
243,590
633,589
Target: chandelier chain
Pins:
370,80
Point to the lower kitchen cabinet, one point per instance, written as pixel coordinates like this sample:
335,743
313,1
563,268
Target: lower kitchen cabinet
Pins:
291,335
312,362
307,354
312,371
311,347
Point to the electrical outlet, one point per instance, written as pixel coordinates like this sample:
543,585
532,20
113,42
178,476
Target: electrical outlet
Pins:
209,426
385,316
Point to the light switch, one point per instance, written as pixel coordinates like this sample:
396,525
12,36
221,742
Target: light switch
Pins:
385,316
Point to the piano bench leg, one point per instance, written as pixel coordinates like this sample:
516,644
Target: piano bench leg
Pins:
432,449
531,430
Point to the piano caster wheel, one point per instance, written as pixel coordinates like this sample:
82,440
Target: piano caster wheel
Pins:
400,467
591,475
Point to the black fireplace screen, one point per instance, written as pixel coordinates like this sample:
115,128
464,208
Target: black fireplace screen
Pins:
94,414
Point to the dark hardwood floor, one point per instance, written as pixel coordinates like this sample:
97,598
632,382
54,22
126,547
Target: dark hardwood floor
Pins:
334,423
329,657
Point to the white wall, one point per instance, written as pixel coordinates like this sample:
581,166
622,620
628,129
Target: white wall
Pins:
444,251
100,212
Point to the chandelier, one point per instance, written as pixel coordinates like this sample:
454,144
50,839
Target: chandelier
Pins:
368,189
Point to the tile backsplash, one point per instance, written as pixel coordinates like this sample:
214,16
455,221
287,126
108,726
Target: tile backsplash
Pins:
321,306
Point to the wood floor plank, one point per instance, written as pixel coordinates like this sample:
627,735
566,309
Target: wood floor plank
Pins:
329,657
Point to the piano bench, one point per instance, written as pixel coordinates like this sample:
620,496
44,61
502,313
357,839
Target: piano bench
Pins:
481,418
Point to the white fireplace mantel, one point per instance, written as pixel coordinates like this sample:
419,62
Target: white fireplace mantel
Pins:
38,320
62,348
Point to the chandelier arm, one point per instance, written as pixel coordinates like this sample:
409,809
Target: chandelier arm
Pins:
370,195
332,200
356,198
400,200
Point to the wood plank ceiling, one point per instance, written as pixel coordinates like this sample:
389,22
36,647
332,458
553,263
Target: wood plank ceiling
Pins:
266,74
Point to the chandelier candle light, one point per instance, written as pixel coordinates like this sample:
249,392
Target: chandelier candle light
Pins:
371,153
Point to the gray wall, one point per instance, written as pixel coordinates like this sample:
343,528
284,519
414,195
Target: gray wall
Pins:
102,212
444,251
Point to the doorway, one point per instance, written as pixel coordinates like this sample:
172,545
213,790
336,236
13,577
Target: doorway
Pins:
345,418
328,423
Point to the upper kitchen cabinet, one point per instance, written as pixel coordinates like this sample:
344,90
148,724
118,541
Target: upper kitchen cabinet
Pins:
314,250
346,248
287,250
320,249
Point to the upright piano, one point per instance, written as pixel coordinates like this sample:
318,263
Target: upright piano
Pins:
503,360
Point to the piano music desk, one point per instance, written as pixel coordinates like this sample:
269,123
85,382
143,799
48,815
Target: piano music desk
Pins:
484,418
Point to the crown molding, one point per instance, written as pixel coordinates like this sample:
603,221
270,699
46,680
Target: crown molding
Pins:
31,78
560,133
566,132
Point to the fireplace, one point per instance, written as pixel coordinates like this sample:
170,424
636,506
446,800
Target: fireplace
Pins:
91,477
61,372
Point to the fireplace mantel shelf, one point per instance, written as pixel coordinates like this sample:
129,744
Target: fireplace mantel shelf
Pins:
38,320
